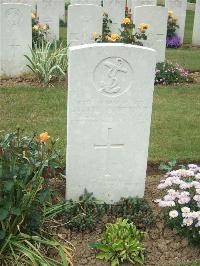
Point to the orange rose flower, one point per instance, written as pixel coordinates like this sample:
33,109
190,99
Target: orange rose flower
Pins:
43,137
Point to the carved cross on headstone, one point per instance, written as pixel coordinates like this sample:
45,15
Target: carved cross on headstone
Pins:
108,147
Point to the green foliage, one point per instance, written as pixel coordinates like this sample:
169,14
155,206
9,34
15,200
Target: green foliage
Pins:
24,249
85,213
120,242
48,61
106,25
167,166
172,25
168,73
39,31
130,35
136,210
26,164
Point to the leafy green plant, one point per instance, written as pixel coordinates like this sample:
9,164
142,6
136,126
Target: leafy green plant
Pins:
172,25
48,61
120,242
167,166
25,164
136,210
39,30
84,214
168,73
128,33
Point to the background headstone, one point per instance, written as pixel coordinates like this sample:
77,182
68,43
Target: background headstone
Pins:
109,115
16,37
86,2
156,17
49,13
133,3
32,3
179,9
61,4
90,19
196,29
116,12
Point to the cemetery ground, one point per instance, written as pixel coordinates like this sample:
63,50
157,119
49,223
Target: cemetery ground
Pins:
27,104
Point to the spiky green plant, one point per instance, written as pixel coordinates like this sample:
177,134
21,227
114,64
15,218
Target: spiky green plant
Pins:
48,61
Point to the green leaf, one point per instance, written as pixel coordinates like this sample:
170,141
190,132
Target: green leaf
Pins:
9,185
115,262
16,211
3,214
2,234
102,256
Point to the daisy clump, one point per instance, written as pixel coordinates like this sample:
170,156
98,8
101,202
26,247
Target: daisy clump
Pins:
180,201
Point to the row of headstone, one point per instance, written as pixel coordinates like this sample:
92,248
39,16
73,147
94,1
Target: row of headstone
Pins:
49,12
16,30
115,9
91,17
110,93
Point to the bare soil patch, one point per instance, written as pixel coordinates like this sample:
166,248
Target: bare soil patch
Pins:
163,245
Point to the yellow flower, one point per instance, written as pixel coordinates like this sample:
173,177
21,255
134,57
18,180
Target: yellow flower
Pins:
126,21
33,15
36,27
114,37
170,13
143,27
43,137
94,35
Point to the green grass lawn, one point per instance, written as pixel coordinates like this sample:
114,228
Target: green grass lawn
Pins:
175,121
189,58
189,27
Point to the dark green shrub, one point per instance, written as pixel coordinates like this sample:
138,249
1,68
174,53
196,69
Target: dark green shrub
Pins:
84,214
26,164
136,210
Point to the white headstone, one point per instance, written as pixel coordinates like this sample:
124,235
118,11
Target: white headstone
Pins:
15,36
196,29
61,6
133,3
116,12
109,115
156,17
86,2
90,18
49,13
32,3
179,9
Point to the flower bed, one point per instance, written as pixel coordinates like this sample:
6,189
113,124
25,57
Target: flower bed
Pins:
181,201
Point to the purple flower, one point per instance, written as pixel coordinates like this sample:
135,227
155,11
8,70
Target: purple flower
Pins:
173,42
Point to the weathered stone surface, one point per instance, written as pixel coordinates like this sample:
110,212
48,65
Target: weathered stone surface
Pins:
90,20
116,12
109,115
196,29
49,13
16,37
86,2
156,17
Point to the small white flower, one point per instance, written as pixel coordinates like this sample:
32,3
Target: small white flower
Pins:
173,214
